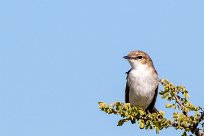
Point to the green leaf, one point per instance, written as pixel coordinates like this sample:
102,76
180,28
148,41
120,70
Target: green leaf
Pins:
141,112
162,113
184,133
169,105
157,130
186,95
185,124
122,121
175,115
165,95
141,124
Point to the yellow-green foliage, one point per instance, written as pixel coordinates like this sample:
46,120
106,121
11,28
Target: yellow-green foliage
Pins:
186,117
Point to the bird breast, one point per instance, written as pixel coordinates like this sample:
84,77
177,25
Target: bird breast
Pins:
142,85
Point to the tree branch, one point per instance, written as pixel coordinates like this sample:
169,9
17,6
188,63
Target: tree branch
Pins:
195,128
177,94
178,101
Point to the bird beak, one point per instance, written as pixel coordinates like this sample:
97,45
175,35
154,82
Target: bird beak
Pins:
126,57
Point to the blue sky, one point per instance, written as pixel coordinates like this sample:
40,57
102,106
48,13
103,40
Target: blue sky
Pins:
58,58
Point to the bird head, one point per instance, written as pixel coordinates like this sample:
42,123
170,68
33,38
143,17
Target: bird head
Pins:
138,59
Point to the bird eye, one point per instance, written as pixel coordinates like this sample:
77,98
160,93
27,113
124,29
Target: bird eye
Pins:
139,57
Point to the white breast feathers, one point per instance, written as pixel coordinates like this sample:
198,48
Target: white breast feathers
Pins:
142,85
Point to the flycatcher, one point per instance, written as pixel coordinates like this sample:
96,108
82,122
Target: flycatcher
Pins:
142,81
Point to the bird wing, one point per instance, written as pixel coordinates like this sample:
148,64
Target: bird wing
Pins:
127,89
151,107
127,93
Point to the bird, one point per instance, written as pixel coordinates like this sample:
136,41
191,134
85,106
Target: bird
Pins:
142,81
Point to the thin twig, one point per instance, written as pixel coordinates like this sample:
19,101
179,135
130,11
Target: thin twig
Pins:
178,101
180,104
197,132
195,128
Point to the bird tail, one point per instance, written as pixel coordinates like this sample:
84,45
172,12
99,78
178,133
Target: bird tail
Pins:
151,110
154,110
